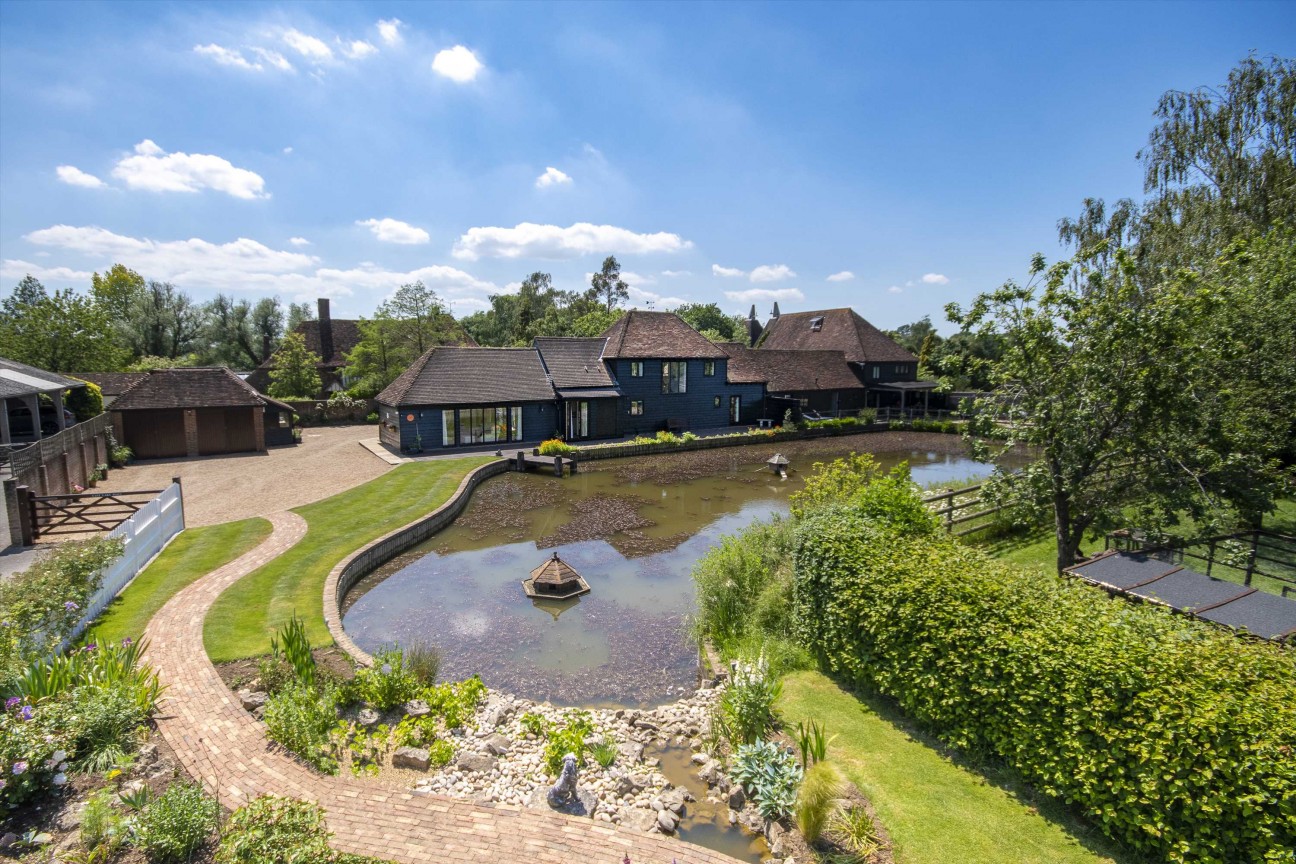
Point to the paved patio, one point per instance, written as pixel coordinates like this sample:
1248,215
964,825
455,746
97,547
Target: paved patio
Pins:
218,489
221,745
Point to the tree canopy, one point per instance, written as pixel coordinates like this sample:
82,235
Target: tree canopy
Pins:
294,375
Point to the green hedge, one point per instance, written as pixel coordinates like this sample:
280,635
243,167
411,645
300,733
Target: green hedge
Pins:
1176,738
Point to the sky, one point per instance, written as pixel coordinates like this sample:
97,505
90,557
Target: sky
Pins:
889,157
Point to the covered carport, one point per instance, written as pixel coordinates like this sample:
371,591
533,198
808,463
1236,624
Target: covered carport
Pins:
21,387
909,391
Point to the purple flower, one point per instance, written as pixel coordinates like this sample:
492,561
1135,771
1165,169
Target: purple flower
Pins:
3,782
127,641
12,702
26,714
19,768
90,647
70,606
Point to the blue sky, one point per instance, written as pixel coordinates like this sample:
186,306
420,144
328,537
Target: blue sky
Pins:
890,157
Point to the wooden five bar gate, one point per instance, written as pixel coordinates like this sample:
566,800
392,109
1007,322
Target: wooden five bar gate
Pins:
78,513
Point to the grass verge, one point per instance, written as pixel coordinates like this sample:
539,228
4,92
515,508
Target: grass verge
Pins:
936,811
249,612
195,553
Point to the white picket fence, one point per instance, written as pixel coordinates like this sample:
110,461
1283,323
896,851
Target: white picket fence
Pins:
145,534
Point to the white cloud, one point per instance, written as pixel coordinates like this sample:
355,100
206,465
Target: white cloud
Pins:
227,57
843,276
74,176
772,273
459,64
154,169
359,49
12,268
308,46
630,278
552,177
287,151
727,272
299,241
275,59
751,295
935,279
895,289
675,274
395,231
241,265
389,30
529,240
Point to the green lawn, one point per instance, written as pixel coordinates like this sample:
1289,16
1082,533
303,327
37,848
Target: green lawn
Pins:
244,618
196,552
936,811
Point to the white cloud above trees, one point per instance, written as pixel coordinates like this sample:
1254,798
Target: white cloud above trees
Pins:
74,176
153,169
530,240
935,279
552,177
751,295
459,64
389,30
772,273
727,272
843,276
395,231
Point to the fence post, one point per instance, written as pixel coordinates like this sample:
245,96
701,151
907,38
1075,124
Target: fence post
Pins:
180,495
1210,559
13,508
26,516
1251,560
949,516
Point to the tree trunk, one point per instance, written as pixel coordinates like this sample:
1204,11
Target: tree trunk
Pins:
1067,541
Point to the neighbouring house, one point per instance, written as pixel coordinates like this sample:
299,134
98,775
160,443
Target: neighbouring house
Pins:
111,384
887,371
589,398
333,339
816,381
459,396
669,374
201,411
24,417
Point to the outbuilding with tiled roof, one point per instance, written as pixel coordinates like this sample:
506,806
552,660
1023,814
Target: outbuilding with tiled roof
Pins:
200,411
820,381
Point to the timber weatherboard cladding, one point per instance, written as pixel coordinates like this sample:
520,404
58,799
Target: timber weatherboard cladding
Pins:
696,406
539,421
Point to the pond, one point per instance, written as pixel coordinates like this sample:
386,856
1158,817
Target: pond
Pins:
633,529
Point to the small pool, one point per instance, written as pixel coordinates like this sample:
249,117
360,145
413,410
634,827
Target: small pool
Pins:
633,528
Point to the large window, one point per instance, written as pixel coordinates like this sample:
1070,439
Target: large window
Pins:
674,376
636,368
483,425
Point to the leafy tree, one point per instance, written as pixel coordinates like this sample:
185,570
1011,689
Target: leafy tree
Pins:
61,331
117,290
85,402
295,375
420,313
238,333
594,323
297,313
377,359
707,318
538,309
148,363
607,287
162,321
402,329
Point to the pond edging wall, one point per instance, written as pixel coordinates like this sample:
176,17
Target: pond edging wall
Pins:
372,555
622,451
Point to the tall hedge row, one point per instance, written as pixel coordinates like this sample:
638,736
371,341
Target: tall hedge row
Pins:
1178,739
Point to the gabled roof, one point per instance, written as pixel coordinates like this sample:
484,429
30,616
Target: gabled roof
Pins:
19,379
471,376
789,371
197,387
574,361
662,335
841,330
112,383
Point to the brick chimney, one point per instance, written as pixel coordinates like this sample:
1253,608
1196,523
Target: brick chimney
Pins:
325,331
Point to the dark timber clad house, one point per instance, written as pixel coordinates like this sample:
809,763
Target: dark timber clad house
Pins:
197,412
887,371
820,381
590,399
667,371
468,396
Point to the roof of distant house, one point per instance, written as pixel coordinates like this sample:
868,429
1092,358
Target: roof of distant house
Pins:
195,387
19,379
789,371
471,376
112,383
347,335
574,361
842,330
658,335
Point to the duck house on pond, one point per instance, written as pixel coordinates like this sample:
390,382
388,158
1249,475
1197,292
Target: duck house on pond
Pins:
554,580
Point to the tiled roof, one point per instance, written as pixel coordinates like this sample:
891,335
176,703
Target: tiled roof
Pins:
574,362
19,379
112,383
471,376
200,387
790,371
662,335
840,330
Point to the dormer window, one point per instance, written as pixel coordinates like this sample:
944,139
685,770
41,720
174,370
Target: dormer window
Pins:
636,368
816,324
708,367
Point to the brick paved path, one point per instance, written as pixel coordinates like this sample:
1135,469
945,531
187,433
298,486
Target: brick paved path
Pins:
225,747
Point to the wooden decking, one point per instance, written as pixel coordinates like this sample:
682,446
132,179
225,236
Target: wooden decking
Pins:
524,461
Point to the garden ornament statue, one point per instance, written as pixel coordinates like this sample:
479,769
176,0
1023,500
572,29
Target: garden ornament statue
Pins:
563,792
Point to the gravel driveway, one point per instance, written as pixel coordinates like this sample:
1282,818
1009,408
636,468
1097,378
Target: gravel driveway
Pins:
224,488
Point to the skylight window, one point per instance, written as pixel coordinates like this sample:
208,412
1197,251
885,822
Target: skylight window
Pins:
816,324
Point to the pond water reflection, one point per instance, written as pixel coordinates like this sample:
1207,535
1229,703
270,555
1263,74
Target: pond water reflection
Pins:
633,532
